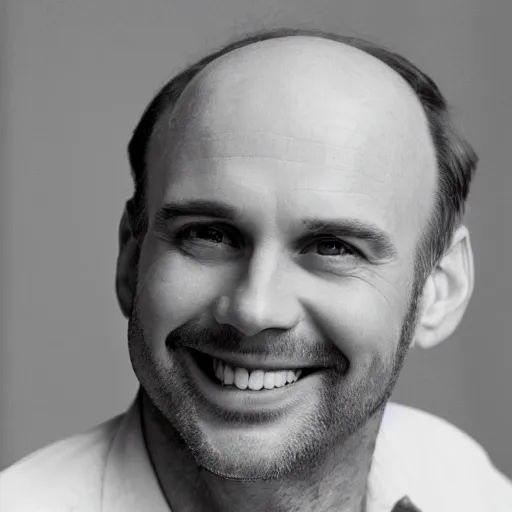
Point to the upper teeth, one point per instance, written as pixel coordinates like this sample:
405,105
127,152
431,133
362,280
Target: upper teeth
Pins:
243,378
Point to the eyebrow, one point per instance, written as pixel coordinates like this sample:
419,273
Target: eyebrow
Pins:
193,207
378,240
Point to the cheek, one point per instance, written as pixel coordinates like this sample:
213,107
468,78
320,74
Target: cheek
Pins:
362,320
172,289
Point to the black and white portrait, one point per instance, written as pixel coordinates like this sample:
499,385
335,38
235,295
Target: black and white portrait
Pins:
255,256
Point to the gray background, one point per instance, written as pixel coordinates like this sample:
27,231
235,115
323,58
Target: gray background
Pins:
75,77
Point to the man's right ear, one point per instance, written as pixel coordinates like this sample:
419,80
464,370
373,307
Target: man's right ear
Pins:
127,260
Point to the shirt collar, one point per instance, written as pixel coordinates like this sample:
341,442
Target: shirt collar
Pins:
130,483
387,481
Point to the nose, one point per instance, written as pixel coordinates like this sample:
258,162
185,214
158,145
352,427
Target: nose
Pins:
261,299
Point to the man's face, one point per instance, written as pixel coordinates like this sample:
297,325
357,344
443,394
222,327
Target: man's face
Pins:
318,160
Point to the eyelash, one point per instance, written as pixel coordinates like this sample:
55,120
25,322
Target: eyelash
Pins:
181,235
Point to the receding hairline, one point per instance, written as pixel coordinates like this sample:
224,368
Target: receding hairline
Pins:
352,60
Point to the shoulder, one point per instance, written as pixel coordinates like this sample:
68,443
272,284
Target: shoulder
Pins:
441,460
60,477
421,431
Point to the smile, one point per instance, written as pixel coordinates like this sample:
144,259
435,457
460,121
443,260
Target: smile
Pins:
205,371
243,378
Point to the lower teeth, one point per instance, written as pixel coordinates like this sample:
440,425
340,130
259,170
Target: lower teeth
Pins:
249,389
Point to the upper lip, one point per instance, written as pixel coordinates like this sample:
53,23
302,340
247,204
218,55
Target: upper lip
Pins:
253,362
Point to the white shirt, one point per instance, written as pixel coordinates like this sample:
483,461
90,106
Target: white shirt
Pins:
437,466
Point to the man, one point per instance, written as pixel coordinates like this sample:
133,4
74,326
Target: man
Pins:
296,226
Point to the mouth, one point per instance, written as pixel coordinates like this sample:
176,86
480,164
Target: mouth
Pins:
223,374
251,393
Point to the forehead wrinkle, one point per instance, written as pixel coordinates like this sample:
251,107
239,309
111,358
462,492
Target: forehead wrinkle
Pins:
280,159
218,135
256,144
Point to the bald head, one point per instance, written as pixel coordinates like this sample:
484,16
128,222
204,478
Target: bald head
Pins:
303,87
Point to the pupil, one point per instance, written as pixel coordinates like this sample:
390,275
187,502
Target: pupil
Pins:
210,234
215,235
331,246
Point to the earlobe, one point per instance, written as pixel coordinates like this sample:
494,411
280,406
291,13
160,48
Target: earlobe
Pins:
446,292
126,271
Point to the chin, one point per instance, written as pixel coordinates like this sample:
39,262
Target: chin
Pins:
247,455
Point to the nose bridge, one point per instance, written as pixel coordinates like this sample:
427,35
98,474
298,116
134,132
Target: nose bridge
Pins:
261,299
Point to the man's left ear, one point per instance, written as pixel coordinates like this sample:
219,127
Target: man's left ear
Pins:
446,292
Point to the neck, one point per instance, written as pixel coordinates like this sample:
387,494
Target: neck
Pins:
339,483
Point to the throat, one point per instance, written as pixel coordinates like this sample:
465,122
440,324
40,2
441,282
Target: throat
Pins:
221,495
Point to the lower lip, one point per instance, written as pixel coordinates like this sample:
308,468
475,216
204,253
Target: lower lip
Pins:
233,399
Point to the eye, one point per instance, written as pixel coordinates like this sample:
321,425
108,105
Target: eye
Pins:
207,234
332,247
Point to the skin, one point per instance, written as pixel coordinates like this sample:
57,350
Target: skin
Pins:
279,131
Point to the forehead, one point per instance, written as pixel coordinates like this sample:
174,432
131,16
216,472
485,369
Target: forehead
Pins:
299,121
